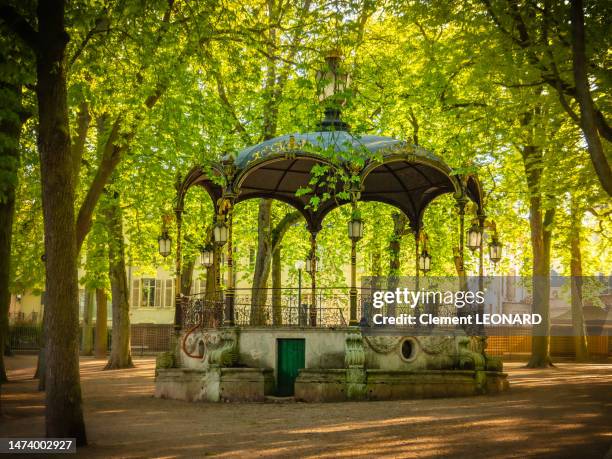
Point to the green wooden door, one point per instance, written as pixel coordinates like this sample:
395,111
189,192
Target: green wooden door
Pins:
291,359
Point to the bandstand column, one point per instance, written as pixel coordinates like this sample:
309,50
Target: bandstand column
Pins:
417,236
417,240
230,295
461,203
481,224
178,299
313,279
353,290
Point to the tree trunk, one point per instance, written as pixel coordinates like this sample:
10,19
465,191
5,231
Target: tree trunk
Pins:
64,415
187,277
40,363
101,324
277,313
87,346
10,128
541,231
262,263
580,339
120,346
588,114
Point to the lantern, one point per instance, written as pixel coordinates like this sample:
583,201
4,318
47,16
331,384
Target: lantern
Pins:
474,236
206,256
495,249
299,265
311,265
355,229
425,261
164,243
220,232
331,80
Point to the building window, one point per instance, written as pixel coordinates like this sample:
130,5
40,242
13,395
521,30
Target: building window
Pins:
152,293
148,293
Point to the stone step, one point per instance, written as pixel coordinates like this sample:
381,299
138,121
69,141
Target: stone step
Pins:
275,399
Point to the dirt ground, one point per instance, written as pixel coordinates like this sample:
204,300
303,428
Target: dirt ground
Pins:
561,412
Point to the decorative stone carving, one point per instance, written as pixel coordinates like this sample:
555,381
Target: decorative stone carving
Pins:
354,355
165,360
434,345
468,359
383,344
221,347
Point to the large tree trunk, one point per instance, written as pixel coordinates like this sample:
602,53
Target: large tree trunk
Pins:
10,129
64,415
588,114
262,263
187,277
121,356
40,363
277,313
87,346
101,324
541,231
580,339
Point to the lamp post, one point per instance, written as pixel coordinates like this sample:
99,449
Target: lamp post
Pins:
355,233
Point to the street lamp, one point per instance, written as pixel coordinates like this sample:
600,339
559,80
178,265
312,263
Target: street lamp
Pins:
495,249
425,261
355,233
220,232
474,236
355,229
311,265
164,243
206,255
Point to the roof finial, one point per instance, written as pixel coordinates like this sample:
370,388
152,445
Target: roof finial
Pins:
333,82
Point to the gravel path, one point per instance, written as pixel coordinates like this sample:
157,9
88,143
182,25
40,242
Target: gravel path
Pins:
560,412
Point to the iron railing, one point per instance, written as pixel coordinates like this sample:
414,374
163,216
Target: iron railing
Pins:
270,307
292,307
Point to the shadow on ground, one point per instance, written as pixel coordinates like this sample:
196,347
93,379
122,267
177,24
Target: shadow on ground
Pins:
560,412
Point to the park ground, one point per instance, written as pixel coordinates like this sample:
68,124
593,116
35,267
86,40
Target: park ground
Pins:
558,412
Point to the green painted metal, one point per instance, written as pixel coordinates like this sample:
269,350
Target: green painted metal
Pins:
291,358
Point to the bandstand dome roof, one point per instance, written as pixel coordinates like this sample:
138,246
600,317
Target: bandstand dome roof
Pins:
394,172
340,141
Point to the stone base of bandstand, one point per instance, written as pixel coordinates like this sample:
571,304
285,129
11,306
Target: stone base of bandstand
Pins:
214,384
336,385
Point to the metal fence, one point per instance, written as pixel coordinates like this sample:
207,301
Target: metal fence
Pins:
143,337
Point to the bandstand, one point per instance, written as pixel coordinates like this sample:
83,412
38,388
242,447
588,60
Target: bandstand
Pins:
232,350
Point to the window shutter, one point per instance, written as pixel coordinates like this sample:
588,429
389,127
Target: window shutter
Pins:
135,293
158,293
169,293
